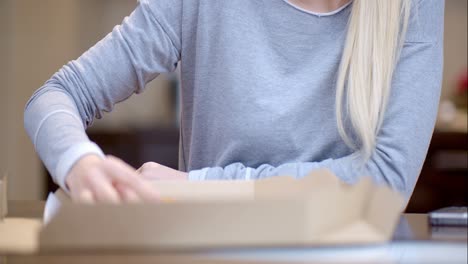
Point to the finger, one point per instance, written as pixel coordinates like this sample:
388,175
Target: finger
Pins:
76,193
145,174
102,188
139,170
126,175
126,194
155,171
85,196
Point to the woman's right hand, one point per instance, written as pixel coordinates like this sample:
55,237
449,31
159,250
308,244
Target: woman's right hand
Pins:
109,180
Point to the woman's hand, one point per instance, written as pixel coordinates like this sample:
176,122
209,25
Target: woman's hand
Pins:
155,171
110,180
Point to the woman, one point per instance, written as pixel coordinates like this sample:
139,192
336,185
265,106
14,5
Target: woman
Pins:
269,87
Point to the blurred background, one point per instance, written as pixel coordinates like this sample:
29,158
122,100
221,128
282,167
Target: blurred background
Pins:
38,37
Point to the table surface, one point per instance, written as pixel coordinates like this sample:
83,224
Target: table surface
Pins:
414,241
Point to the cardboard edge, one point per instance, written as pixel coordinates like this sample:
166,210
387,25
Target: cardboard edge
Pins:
350,203
3,197
62,196
325,175
286,186
204,190
271,187
384,221
372,224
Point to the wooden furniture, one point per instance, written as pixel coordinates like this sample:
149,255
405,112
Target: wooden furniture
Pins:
444,177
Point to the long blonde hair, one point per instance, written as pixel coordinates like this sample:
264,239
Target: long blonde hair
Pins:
375,36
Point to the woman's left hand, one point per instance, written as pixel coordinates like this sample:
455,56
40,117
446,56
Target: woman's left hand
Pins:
155,171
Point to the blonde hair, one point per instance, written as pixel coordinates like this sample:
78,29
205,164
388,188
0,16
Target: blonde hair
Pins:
375,36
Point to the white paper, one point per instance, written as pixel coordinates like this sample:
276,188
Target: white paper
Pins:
51,207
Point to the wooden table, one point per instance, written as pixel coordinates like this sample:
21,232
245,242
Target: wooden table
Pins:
414,241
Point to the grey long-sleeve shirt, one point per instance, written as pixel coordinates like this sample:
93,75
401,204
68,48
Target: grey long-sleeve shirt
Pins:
257,93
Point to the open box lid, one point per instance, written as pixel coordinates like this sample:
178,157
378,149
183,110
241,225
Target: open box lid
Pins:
279,211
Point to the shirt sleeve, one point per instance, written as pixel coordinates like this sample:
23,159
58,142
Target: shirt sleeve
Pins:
409,120
146,44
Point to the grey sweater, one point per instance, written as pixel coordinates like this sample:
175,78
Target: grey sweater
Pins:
258,90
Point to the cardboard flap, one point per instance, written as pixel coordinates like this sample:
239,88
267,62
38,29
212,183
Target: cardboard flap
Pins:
62,196
286,186
379,209
205,191
277,187
336,207
380,212
280,211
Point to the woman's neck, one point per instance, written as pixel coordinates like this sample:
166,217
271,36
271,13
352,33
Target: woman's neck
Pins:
319,6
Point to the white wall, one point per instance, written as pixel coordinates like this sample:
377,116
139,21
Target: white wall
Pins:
4,83
41,39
